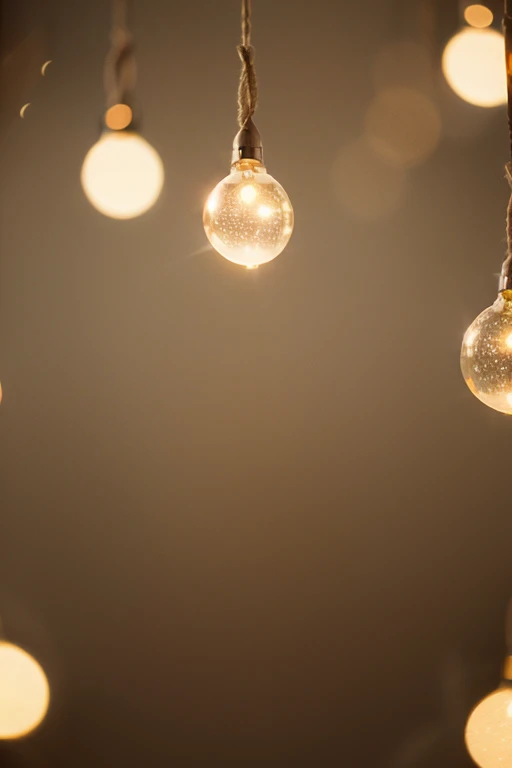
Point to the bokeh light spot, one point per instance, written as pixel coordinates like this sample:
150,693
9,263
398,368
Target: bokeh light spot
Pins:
118,117
24,692
473,67
404,63
366,186
478,16
403,125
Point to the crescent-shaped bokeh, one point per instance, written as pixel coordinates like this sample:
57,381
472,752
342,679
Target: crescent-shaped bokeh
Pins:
45,67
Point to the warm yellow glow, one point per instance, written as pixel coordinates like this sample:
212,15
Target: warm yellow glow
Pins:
122,175
24,692
485,359
473,64
489,730
248,193
118,117
24,109
45,67
212,203
247,234
478,16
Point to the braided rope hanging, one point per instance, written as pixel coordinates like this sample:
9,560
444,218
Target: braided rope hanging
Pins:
248,87
120,67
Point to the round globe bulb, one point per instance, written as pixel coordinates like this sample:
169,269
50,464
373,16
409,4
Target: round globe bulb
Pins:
473,64
489,730
486,356
248,218
24,692
122,175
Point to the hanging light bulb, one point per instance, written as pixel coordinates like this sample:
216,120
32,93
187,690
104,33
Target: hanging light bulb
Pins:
486,355
122,175
473,61
24,692
248,218
489,728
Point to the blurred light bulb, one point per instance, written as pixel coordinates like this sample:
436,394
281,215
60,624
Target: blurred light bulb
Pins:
489,730
473,64
122,175
248,218
486,356
24,692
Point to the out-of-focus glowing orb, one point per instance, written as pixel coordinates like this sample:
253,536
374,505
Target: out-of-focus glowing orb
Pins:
367,187
474,67
122,175
405,63
489,730
403,125
478,16
24,692
118,117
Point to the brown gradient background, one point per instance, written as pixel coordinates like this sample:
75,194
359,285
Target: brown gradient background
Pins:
248,519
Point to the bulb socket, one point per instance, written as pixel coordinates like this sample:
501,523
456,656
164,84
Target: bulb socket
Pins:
247,144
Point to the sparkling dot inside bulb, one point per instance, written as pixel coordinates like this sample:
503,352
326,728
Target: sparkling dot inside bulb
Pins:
489,730
486,356
248,217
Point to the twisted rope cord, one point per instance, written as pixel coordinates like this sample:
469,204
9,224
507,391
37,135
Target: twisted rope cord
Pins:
506,270
248,87
120,67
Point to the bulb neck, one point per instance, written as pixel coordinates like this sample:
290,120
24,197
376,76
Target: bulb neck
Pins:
247,144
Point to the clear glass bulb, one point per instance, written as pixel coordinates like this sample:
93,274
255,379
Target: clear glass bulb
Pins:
489,730
486,355
473,66
248,218
24,692
122,175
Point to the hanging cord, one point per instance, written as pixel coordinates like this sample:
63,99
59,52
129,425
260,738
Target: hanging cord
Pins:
506,270
120,68
248,87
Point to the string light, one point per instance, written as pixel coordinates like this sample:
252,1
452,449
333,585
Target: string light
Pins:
486,355
248,218
122,175
24,692
489,728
